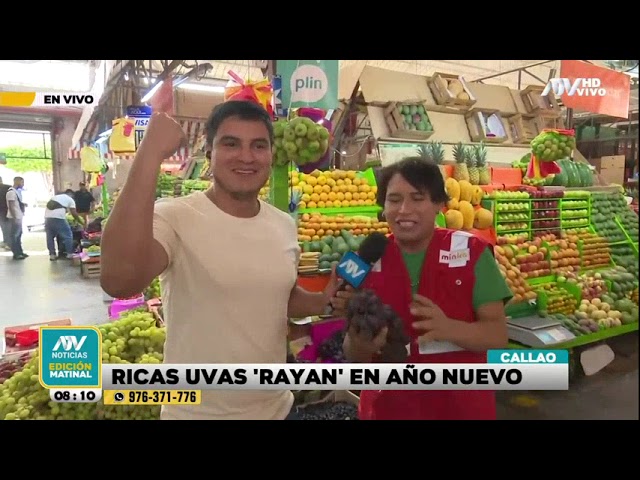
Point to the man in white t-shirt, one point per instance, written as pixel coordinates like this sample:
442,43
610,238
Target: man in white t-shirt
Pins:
227,261
15,217
56,224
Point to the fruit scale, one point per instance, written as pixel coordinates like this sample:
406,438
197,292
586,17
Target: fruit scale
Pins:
537,332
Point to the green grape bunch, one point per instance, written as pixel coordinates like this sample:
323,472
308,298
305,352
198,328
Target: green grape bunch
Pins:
154,290
134,338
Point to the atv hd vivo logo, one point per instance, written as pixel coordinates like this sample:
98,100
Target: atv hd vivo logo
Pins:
580,87
352,269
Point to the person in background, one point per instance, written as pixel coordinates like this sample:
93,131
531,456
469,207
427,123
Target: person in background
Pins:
5,226
56,224
227,261
15,215
85,203
453,310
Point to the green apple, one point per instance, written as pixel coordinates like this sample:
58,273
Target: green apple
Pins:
324,145
290,146
278,128
302,143
314,146
300,129
289,133
312,132
323,133
278,142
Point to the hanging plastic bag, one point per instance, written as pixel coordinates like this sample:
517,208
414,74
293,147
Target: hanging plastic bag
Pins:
259,92
90,160
123,138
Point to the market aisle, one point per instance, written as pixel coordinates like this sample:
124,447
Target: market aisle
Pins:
37,290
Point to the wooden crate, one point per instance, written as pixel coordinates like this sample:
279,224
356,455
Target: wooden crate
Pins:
537,103
398,127
439,86
478,128
90,269
523,128
543,121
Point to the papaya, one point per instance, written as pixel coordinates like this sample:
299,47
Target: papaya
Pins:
466,190
454,219
453,189
483,219
477,195
468,214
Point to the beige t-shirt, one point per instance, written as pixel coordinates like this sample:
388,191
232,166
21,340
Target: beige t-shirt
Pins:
225,295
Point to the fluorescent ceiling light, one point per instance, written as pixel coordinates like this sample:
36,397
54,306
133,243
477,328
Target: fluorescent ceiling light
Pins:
201,87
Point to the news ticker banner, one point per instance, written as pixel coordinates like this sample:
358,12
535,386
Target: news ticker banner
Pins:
44,99
71,368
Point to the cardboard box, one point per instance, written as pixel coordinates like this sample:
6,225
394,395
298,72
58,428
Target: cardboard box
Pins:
612,169
537,103
479,131
439,85
543,122
398,128
523,128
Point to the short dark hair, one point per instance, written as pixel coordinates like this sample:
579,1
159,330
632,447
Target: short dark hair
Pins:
243,109
69,191
422,174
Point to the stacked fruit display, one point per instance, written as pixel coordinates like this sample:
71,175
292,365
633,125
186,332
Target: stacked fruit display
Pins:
299,140
595,250
628,219
564,254
513,210
505,256
331,249
315,227
591,285
173,186
132,339
532,261
415,118
575,210
461,214
512,239
623,282
333,189
558,300
604,208
624,256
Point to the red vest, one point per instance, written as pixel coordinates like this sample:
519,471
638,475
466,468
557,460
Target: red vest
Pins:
451,288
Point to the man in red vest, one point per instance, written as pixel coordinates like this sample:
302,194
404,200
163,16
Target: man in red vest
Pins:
445,285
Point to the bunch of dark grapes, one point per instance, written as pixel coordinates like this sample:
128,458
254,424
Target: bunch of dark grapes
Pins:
367,315
329,411
330,350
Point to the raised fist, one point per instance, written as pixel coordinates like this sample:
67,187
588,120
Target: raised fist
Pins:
163,136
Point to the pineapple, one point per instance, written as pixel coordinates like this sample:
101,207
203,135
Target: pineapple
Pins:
437,151
472,166
425,152
481,158
460,171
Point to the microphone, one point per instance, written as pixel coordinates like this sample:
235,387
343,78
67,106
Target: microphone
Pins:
354,268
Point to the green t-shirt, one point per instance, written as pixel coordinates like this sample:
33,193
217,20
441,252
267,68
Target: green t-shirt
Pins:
492,288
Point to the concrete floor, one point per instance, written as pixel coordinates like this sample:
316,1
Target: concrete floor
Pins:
37,290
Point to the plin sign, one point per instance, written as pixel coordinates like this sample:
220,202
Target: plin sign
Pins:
581,87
